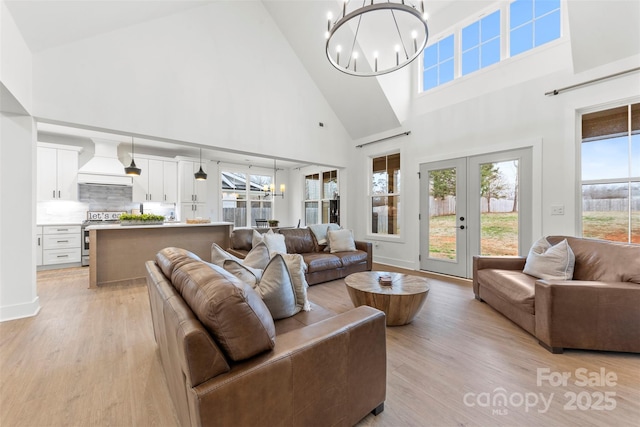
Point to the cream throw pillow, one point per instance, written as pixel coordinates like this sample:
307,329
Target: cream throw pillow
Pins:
274,241
341,240
219,255
550,262
258,256
249,275
277,290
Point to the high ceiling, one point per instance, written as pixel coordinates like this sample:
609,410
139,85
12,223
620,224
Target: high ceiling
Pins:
368,109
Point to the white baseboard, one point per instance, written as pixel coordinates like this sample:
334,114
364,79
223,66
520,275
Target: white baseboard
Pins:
395,262
19,311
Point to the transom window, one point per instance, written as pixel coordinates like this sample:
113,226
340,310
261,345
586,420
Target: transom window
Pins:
481,43
530,23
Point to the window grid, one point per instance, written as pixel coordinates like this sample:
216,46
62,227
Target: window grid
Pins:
545,21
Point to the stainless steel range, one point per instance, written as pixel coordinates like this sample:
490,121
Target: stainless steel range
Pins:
96,218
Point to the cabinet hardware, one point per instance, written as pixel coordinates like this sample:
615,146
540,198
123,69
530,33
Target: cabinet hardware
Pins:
59,194
54,194
63,256
62,229
38,241
63,241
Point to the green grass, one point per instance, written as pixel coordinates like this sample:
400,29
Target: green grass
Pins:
500,232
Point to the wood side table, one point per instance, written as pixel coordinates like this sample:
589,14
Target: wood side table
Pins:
400,301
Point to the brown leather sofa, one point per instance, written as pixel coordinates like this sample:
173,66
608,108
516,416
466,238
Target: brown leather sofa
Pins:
315,368
321,266
598,310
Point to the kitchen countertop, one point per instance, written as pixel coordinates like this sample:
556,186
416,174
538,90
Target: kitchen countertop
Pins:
165,225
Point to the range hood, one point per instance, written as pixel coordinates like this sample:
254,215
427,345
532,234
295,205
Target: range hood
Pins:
104,167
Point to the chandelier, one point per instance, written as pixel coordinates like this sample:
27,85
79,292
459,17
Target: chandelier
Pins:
371,39
270,190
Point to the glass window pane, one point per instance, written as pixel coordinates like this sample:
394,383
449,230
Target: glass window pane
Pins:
442,218
490,26
547,28
471,36
605,159
393,172
543,7
499,208
311,213
312,187
605,211
384,215
490,53
635,212
635,156
520,12
430,78
430,56
446,48
470,61
446,71
330,184
521,39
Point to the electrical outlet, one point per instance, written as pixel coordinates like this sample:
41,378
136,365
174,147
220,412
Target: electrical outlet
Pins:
557,210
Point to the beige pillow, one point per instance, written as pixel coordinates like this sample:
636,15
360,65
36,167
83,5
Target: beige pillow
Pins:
297,268
550,262
341,241
275,243
219,255
258,257
277,290
247,274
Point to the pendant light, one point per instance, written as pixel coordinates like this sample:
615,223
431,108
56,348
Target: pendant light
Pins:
132,169
200,175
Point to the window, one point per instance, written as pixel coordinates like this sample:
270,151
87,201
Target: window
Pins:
236,194
533,23
530,23
610,154
438,63
322,204
481,43
385,194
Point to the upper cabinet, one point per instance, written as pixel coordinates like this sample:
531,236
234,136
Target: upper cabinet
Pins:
158,181
192,190
57,173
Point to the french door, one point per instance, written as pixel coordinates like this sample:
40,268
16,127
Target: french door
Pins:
474,205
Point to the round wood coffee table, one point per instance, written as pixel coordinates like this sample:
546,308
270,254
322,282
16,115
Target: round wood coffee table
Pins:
400,301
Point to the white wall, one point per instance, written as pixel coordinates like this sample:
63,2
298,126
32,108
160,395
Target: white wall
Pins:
15,60
18,293
495,109
221,75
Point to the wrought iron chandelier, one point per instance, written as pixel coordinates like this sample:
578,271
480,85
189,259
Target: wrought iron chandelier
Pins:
371,39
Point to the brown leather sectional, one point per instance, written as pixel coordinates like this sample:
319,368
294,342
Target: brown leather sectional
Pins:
598,310
322,266
227,363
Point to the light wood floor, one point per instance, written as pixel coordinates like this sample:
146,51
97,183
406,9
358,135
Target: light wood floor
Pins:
89,359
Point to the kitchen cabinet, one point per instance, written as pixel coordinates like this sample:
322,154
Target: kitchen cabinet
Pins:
38,245
158,181
191,190
57,172
193,210
61,244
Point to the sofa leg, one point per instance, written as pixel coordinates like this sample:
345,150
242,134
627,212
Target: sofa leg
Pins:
554,350
478,298
378,409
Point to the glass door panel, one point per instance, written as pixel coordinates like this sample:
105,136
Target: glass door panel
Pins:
499,208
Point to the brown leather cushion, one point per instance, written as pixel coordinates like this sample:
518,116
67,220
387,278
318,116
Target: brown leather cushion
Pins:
169,258
512,285
299,240
321,261
241,238
351,258
231,311
602,260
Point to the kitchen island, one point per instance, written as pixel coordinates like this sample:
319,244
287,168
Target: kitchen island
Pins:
117,253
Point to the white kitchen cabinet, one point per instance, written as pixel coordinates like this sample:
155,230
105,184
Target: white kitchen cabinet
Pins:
61,244
57,174
193,210
38,245
158,181
192,190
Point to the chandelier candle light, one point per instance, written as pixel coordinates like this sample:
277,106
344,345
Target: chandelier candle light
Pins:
372,31
271,189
